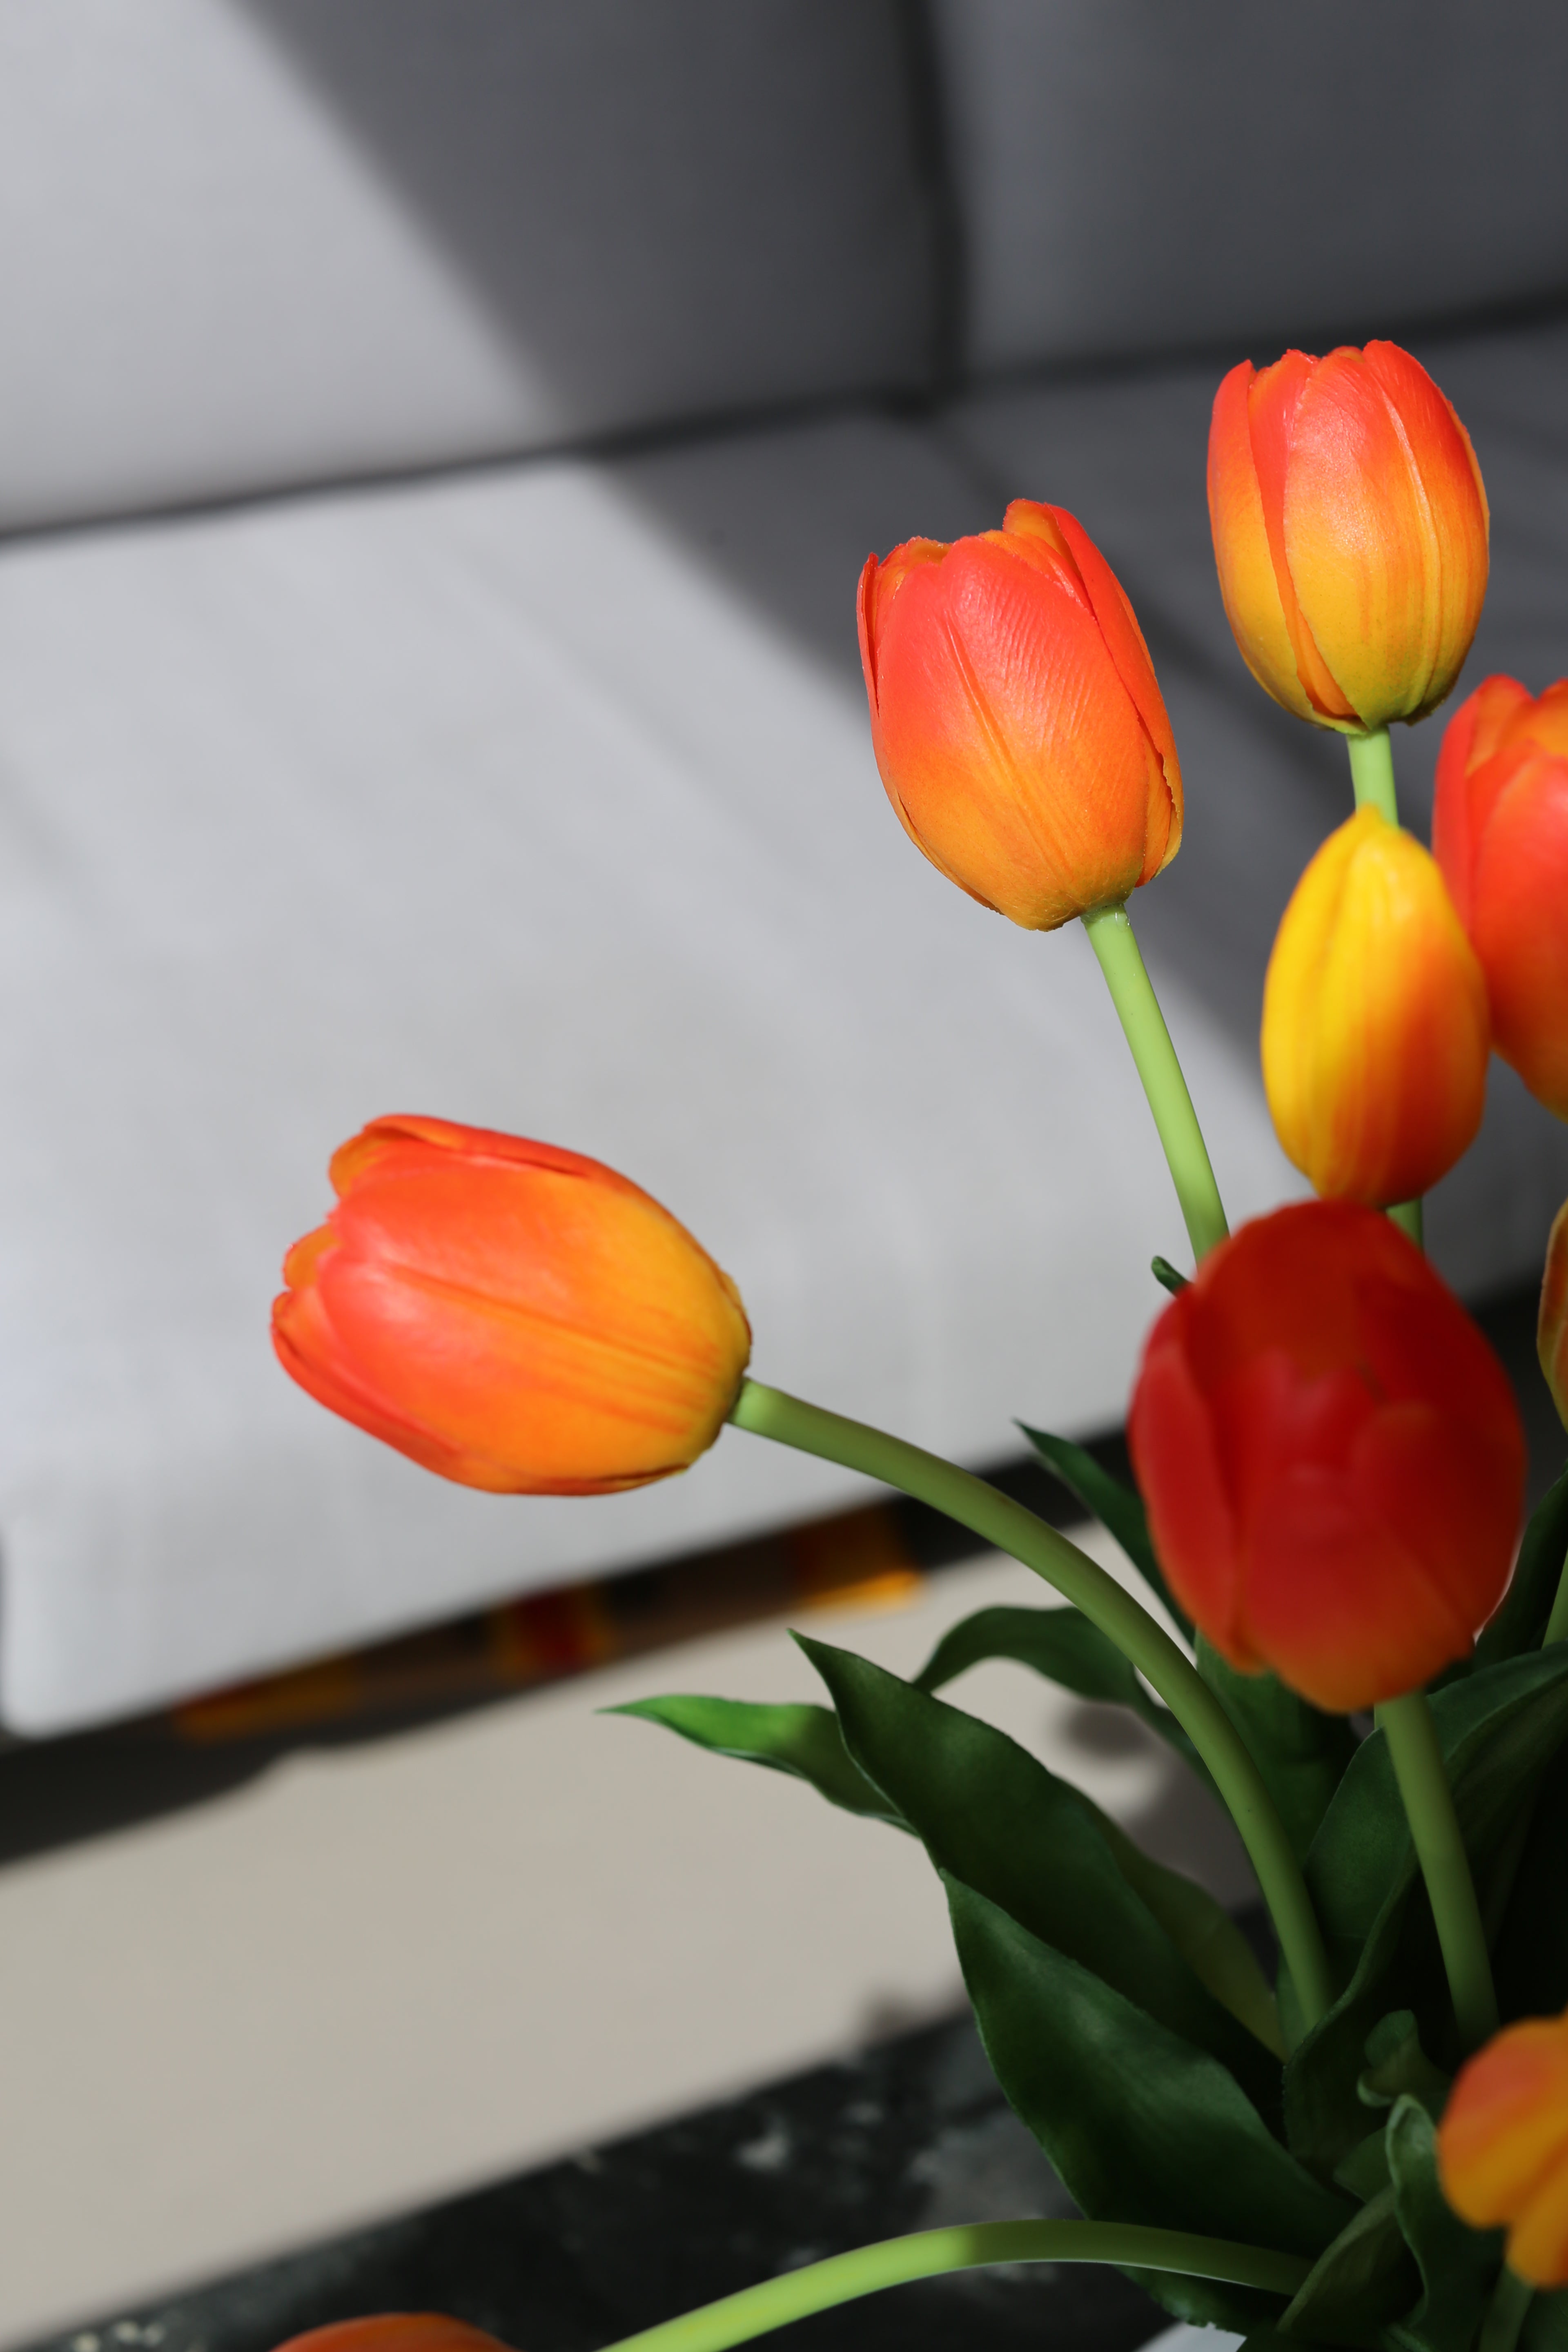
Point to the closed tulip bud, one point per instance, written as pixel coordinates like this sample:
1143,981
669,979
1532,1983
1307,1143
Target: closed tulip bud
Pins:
1499,832
1017,721
1350,528
1551,1330
1331,1455
1375,1020
395,2331
1502,2146
512,1317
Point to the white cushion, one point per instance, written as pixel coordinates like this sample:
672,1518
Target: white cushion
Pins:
249,243
1134,177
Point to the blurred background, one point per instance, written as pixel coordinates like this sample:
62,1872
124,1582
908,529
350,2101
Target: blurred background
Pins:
438,443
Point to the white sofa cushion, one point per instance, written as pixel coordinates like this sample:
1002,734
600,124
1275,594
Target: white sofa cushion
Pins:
1138,178
249,243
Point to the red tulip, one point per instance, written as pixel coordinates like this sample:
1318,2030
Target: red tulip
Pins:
1350,528
1016,718
1499,832
1502,2146
1331,1455
513,1316
395,2331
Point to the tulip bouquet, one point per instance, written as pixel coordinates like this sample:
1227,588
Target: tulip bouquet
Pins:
1372,1675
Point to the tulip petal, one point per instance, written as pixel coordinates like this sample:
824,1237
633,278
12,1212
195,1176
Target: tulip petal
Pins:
1471,735
1520,915
1249,584
1506,2124
1171,1438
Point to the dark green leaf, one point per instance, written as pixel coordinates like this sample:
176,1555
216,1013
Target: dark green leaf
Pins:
1116,1507
1168,1276
802,1741
1062,1644
1519,1623
1458,2266
1497,1729
1531,1957
1545,2326
1365,2278
1301,1753
1396,2064
1140,2126
1204,1934
991,1813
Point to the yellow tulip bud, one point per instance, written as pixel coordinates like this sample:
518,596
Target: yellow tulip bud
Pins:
1375,1027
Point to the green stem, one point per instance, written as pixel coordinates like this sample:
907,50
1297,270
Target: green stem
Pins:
817,2286
1505,2313
1412,1735
1557,1624
768,1413
1371,772
1407,1216
1143,1025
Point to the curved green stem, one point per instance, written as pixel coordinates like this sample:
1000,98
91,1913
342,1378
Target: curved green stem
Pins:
1371,772
1143,1025
768,1413
817,2286
1406,1724
1505,2313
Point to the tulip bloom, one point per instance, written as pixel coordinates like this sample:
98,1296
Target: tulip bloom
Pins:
1502,2146
1375,1034
395,2331
1017,721
1331,1455
1350,528
1552,1329
512,1317
1499,832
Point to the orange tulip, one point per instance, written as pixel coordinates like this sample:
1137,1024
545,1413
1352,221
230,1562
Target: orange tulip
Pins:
1499,831
1330,1454
1350,528
1017,721
1375,1020
513,1316
395,2331
1502,2146
1552,1329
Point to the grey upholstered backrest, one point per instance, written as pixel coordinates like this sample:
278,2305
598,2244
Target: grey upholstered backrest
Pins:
1138,175
248,243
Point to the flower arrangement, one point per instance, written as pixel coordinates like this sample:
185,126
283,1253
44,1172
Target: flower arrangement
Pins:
1330,1465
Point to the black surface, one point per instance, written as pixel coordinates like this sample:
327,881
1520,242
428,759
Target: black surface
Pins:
912,2135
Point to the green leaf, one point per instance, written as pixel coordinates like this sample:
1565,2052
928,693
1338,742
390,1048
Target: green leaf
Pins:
1459,2265
1365,2278
1531,1954
1301,1754
802,1741
1063,1645
1497,1729
1520,1622
1169,1277
1139,2125
1396,2064
991,1813
1545,2326
1116,1507
1203,1933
